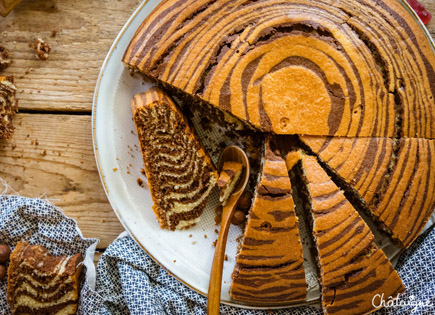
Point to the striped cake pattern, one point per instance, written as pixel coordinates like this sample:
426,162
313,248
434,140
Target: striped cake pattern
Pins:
352,268
40,283
8,106
269,267
391,177
180,174
338,68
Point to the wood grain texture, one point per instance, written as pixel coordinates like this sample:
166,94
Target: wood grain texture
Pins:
85,30
51,156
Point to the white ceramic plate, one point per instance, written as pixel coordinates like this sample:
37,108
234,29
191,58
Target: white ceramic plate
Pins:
185,254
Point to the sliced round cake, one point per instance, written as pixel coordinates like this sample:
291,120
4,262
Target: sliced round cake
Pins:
316,67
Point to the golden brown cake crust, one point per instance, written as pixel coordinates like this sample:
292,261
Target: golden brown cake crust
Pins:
269,267
296,67
55,279
392,177
352,268
180,173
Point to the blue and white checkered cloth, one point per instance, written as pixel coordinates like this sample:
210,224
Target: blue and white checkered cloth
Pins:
128,281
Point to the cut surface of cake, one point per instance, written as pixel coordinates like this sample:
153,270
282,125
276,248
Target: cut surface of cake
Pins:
352,268
41,283
391,179
8,106
316,67
269,267
228,178
180,173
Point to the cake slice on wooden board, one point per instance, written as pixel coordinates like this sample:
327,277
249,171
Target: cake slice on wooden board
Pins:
392,180
269,266
353,270
180,173
228,178
8,106
41,283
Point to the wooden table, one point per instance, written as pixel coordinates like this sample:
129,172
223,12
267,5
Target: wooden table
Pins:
51,153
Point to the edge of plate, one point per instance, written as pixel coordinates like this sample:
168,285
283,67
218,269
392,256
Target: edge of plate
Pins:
404,3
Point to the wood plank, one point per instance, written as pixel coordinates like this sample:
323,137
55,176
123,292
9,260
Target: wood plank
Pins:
52,156
85,30
430,6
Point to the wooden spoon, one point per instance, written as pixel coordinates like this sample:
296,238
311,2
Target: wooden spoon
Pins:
233,154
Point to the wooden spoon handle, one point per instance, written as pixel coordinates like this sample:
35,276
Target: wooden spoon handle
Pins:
215,284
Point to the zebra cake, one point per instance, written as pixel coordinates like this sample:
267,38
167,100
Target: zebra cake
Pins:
352,81
269,266
388,178
8,106
352,268
180,173
41,283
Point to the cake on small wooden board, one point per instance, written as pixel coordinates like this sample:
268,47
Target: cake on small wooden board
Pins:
42,283
180,173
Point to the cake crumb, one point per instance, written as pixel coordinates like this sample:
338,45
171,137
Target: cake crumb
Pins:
205,235
175,261
53,33
115,169
190,235
103,221
216,231
214,243
226,257
4,58
41,48
44,152
140,182
194,242
142,171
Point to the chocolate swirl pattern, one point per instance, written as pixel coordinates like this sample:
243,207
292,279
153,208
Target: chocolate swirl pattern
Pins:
337,68
40,283
390,178
180,174
8,106
352,268
269,267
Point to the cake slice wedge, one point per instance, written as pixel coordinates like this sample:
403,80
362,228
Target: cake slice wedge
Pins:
353,271
389,179
269,266
228,178
180,174
42,283
8,106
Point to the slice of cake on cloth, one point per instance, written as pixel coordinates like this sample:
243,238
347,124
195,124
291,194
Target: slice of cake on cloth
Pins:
41,283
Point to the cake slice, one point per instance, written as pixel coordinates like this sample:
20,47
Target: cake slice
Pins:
269,266
228,179
41,283
389,179
8,106
353,270
180,174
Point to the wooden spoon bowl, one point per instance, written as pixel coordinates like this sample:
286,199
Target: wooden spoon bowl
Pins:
230,154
